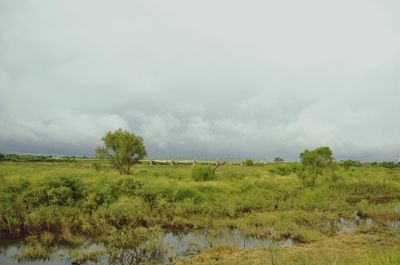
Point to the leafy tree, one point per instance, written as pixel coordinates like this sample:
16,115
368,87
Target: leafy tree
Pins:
315,163
123,149
2,157
278,159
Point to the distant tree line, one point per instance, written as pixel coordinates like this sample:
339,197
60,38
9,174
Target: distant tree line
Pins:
122,150
38,158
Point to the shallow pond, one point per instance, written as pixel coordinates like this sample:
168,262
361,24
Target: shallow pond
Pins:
171,247
349,226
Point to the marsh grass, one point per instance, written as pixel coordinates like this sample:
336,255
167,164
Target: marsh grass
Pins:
70,203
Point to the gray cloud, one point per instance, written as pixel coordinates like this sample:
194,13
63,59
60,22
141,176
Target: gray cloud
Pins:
202,78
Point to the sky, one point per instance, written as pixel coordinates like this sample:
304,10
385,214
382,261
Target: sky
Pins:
202,79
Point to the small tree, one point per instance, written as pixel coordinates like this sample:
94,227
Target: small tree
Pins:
278,159
2,157
123,149
315,163
101,157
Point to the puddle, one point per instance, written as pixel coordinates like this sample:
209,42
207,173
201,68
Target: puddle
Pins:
348,226
395,224
9,257
172,247
345,226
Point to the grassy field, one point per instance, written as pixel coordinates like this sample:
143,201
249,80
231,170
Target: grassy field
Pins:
351,218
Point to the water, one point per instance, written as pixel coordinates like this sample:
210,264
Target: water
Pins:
171,247
395,224
9,257
345,226
349,226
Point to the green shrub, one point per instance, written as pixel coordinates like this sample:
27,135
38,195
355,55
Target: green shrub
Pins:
285,170
60,196
203,173
73,184
100,195
35,196
59,191
248,162
150,198
350,163
390,164
44,219
131,238
47,238
34,252
128,211
183,194
129,186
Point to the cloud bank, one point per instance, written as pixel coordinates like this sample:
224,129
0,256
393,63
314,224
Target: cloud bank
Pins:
202,79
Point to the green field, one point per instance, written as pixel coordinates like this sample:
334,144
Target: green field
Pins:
351,218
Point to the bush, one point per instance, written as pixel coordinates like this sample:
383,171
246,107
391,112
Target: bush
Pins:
285,170
129,186
71,183
47,238
60,196
35,197
183,194
389,164
203,173
249,163
128,237
128,211
100,195
59,191
350,163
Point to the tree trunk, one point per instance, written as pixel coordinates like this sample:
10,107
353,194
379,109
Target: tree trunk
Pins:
217,165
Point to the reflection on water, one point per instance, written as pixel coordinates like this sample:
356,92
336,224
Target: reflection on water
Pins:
348,226
395,224
171,247
184,245
9,257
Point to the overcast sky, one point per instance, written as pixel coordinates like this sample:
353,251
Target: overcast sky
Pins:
209,78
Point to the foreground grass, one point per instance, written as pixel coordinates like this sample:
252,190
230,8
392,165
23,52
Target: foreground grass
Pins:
47,204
